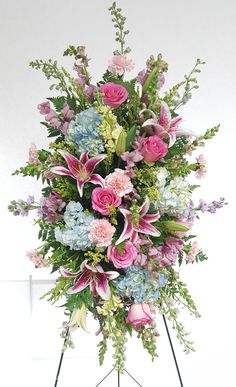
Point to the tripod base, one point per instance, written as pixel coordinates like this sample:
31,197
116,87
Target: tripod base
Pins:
118,378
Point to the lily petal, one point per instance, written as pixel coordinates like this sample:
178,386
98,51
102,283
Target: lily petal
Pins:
93,162
151,217
67,273
146,228
185,132
97,179
73,163
165,116
62,171
112,274
145,207
175,122
128,228
80,186
81,283
84,157
102,287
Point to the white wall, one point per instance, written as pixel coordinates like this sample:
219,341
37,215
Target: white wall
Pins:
182,30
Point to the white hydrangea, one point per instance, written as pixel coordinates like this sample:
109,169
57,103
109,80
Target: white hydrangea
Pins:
174,196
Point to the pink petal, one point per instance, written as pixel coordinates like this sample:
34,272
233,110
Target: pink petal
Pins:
151,217
81,283
95,269
128,227
73,163
80,186
97,179
175,122
149,122
165,116
185,132
172,139
146,228
111,274
84,157
145,207
102,287
93,162
93,288
62,171
67,273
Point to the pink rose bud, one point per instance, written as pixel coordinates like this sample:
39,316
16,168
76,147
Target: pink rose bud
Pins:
153,149
44,108
113,94
139,315
125,259
104,199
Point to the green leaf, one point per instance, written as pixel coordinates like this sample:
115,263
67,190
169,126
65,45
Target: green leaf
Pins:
130,137
58,103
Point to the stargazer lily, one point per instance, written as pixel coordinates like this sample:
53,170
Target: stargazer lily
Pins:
165,126
143,225
81,169
93,276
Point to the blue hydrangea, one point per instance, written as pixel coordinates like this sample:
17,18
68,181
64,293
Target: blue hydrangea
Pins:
85,133
75,233
139,284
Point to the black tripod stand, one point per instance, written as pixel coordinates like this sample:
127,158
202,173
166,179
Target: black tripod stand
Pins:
118,372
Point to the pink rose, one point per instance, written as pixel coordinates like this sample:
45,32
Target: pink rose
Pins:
124,260
153,149
104,199
113,94
119,64
139,315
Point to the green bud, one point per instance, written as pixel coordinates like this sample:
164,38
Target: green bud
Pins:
121,143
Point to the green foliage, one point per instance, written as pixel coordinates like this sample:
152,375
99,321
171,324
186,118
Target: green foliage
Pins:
56,293
102,345
173,97
119,24
177,291
200,256
33,170
58,102
149,339
208,135
130,137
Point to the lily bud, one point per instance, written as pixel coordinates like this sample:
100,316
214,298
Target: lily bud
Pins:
78,318
121,143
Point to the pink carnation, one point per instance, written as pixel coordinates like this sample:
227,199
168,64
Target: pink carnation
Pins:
113,94
153,149
101,232
33,154
125,259
104,199
119,64
119,182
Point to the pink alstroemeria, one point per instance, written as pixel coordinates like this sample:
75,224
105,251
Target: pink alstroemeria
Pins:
93,276
165,126
143,226
81,169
